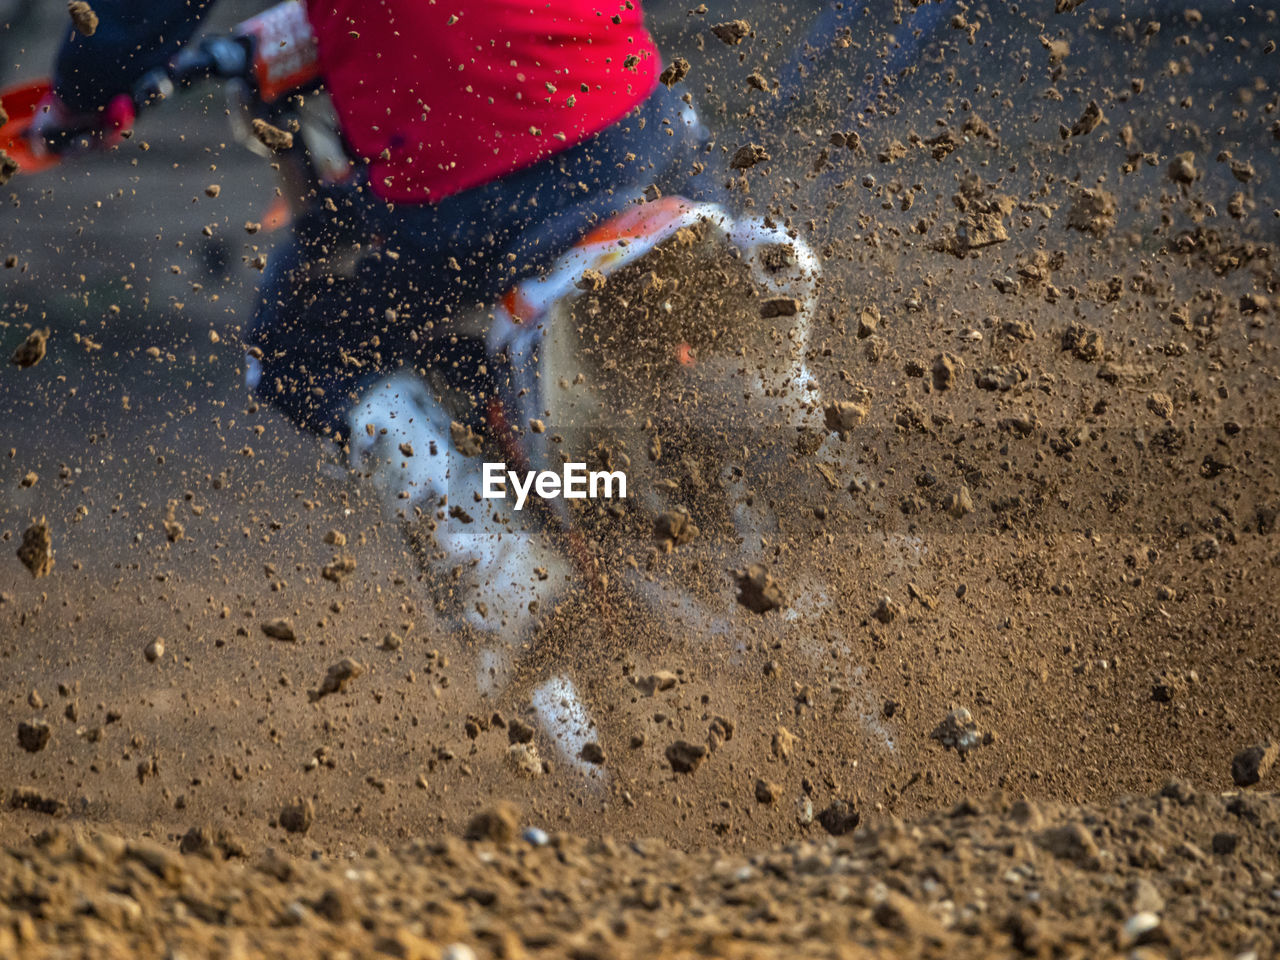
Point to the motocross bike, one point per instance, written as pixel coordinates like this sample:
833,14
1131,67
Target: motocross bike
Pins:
668,342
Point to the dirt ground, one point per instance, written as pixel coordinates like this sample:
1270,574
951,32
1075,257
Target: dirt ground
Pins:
1022,697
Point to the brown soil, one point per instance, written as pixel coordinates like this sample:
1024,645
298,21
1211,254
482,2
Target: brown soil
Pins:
1152,877
995,675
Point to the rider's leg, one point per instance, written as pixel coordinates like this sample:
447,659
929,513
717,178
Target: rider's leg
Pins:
308,354
384,331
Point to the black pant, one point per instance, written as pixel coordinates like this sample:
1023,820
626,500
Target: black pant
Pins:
323,324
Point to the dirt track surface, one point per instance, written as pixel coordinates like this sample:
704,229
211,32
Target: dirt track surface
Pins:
1178,874
1026,546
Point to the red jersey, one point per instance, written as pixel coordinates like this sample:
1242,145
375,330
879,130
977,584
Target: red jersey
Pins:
444,95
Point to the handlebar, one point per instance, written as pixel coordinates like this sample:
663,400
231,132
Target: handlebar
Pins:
266,58
219,57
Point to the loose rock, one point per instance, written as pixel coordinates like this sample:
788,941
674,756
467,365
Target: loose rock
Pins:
337,677
36,550
273,138
83,17
747,156
31,351
732,32
298,815
498,824
1251,764
757,590
685,757
279,629
33,735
